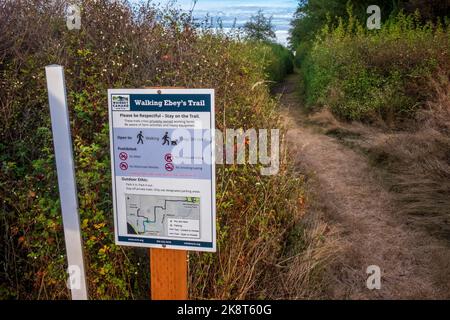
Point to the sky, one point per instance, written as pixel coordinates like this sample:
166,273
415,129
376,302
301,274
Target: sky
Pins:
241,10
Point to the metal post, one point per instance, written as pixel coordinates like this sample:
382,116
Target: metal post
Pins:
62,142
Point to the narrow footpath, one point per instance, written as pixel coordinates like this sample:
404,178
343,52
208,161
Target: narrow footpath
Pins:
348,190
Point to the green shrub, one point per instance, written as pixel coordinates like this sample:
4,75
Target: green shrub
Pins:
375,75
277,59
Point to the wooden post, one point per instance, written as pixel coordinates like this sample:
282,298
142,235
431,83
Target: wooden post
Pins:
168,268
168,274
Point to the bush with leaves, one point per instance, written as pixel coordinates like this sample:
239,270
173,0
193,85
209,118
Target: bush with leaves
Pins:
379,74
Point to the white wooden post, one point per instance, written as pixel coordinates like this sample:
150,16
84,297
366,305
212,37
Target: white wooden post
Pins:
62,142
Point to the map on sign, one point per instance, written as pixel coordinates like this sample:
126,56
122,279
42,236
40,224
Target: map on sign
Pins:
152,215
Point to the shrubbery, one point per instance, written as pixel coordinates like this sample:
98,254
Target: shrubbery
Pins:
378,74
278,61
119,47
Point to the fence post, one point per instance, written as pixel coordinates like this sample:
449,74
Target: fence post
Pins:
62,142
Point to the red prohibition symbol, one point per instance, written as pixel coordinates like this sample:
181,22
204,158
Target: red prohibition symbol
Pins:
168,157
123,156
123,166
169,167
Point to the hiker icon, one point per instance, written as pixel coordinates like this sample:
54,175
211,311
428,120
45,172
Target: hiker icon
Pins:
140,137
166,139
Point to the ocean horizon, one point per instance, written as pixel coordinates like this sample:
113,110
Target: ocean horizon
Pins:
235,13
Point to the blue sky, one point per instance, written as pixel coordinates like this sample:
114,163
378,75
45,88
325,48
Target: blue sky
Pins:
242,10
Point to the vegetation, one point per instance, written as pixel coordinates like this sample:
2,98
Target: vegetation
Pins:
312,15
371,75
397,78
260,28
278,59
118,46
376,76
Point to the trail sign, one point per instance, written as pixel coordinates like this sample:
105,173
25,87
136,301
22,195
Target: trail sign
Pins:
163,167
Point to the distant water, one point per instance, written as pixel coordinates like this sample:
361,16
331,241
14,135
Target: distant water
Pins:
229,11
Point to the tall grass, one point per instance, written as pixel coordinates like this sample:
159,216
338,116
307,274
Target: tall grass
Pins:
417,164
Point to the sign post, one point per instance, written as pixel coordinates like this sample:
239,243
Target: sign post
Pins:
168,274
163,168
62,142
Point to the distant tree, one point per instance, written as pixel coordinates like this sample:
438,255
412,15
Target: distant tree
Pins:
312,15
260,28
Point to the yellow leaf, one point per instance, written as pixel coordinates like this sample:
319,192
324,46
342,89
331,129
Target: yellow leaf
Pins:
99,225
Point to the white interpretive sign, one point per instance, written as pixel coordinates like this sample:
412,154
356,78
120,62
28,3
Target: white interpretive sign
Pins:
163,167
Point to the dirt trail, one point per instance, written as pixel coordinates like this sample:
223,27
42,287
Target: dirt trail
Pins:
351,196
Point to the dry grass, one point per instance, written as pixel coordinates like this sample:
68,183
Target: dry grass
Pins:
302,274
415,160
373,222
313,244
418,163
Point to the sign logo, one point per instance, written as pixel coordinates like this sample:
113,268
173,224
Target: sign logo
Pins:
120,102
169,167
123,166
